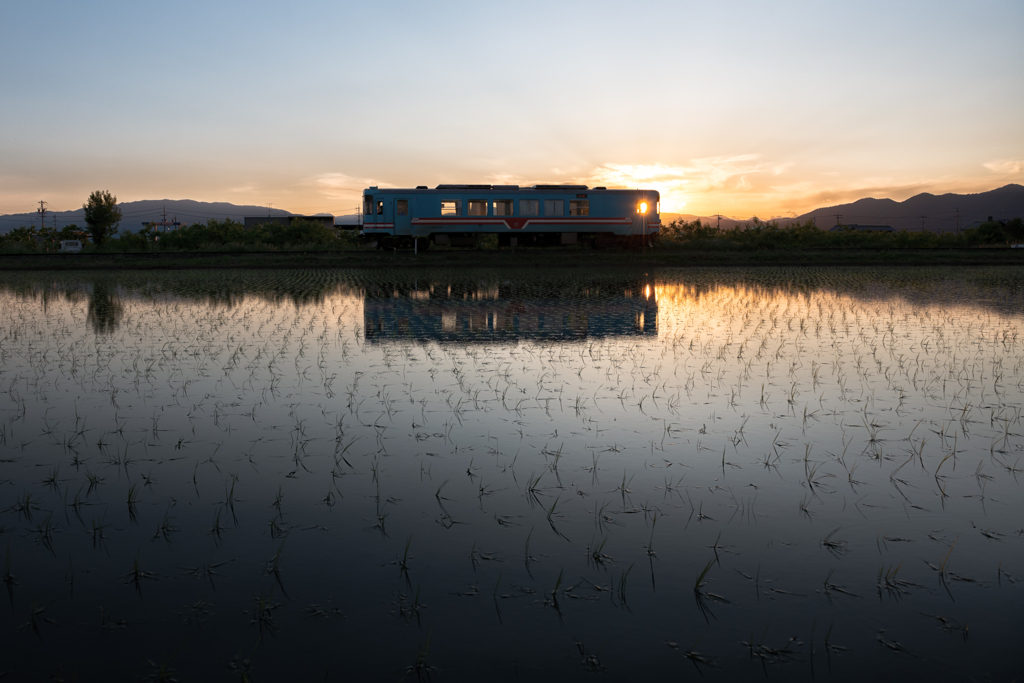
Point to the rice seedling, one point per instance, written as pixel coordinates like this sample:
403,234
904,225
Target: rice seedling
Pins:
137,575
36,620
403,564
836,547
254,375
527,558
621,586
262,615
419,666
9,579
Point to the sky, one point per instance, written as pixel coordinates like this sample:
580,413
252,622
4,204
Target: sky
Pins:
737,108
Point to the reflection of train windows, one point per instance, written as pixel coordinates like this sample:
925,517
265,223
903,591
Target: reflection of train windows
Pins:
529,207
476,312
451,207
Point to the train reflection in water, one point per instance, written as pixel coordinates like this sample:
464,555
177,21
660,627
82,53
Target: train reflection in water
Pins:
475,312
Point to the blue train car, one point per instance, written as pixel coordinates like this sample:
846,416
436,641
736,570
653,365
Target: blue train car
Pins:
539,215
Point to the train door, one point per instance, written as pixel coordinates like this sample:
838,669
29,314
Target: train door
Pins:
403,217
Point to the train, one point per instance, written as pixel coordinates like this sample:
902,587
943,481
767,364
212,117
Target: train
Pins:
538,215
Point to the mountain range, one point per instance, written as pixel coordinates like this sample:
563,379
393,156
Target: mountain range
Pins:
134,214
937,213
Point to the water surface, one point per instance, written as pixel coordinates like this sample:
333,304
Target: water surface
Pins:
519,474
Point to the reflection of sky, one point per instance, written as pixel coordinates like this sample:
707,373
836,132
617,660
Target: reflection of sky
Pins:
739,108
778,403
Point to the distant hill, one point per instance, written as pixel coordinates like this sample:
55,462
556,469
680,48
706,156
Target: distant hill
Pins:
134,214
725,223
937,213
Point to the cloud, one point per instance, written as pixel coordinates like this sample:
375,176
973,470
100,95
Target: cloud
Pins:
341,186
680,184
1005,166
878,189
504,179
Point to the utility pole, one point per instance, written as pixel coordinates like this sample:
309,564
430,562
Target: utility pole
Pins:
957,222
719,217
922,222
839,219
42,214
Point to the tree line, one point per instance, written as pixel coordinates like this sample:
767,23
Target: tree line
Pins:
759,234
103,218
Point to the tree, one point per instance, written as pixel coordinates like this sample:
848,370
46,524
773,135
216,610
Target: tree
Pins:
1015,229
102,215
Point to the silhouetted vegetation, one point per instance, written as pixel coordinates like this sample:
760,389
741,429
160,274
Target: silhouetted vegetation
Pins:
227,234
307,235
758,235
214,235
102,215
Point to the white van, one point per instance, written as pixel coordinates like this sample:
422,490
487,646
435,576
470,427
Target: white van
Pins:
70,247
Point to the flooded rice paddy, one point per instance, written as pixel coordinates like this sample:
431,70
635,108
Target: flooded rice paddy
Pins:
450,474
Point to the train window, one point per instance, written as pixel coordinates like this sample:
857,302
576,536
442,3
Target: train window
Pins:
368,204
451,207
554,207
658,205
380,208
502,207
529,207
579,207
401,207
477,207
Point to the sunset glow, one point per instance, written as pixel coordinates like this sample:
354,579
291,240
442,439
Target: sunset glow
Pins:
744,109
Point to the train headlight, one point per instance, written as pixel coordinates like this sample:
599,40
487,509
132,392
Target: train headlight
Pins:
641,207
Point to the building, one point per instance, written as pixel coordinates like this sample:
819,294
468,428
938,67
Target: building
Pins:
252,221
862,228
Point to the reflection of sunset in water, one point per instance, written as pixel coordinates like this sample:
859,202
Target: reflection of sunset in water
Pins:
285,429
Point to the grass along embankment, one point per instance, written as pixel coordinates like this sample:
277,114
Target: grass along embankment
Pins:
303,244
553,257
